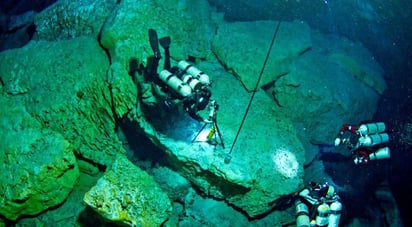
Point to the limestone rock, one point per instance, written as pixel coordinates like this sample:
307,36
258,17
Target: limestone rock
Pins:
124,91
210,212
177,188
64,85
316,80
125,36
37,165
242,47
202,211
322,96
267,160
128,195
125,33
68,19
354,58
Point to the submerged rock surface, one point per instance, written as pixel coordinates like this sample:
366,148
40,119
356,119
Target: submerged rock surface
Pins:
72,94
267,160
68,19
318,81
242,48
261,161
37,165
57,107
128,195
67,91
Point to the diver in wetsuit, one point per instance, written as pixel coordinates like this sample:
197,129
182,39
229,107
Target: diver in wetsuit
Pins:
318,205
367,142
184,82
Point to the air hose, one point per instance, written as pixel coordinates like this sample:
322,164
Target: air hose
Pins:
228,156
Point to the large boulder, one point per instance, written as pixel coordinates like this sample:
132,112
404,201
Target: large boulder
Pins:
68,19
125,36
37,165
64,86
242,47
316,80
266,168
125,32
177,189
260,163
128,195
335,83
353,58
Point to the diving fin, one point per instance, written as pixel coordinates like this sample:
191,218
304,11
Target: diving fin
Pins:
165,43
154,43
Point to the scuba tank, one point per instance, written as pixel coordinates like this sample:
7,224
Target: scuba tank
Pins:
322,217
371,128
175,83
302,215
335,213
381,153
372,140
193,71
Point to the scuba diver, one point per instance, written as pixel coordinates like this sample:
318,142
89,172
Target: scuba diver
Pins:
182,83
366,142
318,205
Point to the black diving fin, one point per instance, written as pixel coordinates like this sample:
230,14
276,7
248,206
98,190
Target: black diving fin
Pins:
165,43
152,68
154,43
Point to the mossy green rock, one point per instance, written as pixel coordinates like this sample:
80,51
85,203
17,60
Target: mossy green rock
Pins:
37,165
125,36
267,160
125,33
67,19
128,195
334,83
242,47
64,85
